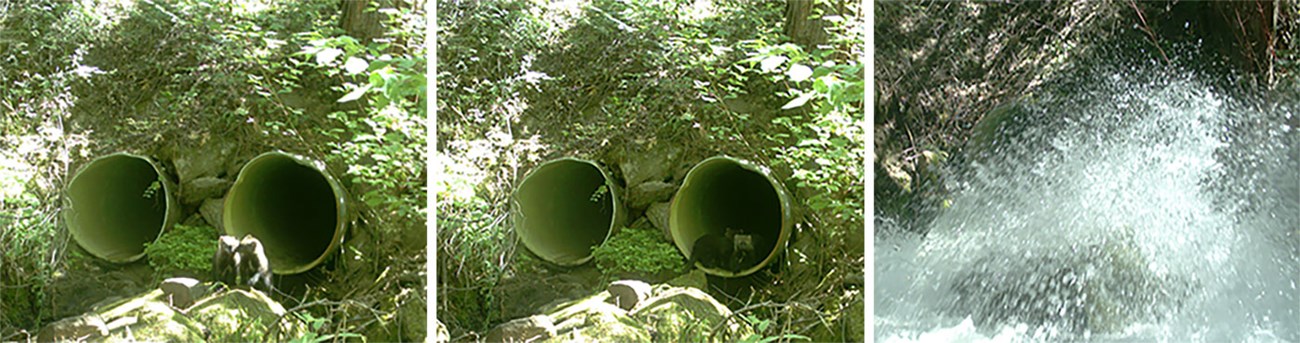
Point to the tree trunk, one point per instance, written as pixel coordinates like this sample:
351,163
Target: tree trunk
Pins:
360,23
803,31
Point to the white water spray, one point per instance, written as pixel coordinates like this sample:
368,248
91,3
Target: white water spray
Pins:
1149,206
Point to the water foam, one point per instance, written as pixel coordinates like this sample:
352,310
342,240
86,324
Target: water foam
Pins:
1198,185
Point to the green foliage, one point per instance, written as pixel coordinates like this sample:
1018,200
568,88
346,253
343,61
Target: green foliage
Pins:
637,252
84,77
29,235
383,138
183,249
823,146
760,326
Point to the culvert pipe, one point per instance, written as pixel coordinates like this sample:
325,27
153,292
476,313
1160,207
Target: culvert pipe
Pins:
722,194
566,207
117,203
292,205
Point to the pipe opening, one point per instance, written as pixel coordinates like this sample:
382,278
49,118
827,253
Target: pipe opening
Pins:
116,204
731,198
291,205
564,208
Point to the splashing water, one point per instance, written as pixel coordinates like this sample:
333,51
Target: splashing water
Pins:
1136,205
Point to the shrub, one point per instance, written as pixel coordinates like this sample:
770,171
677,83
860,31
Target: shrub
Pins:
184,251
636,252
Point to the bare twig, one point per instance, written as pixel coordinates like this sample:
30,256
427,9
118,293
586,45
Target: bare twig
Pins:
1147,28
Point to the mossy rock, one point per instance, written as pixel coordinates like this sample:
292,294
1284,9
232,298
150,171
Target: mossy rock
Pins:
239,315
673,314
145,317
685,314
594,319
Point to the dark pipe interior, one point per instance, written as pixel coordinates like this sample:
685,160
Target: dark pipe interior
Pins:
564,215
289,206
119,204
721,195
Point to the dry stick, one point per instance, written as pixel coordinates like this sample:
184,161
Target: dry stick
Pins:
718,327
1147,28
1272,44
275,324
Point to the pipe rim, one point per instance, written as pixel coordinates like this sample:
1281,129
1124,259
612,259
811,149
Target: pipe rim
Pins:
787,218
340,203
170,216
617,219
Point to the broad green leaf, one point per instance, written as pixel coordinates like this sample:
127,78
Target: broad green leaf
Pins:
799,72
355,94
325,56
355,65
803,98
770,63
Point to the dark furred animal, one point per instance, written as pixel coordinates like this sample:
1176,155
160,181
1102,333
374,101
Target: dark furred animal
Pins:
224,260
713,251
252,268
728,251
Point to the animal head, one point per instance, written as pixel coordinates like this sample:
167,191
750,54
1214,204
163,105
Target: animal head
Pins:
227,243
250,244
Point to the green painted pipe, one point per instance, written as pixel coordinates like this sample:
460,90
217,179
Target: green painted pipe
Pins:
723,192
564,208
292,205
117,203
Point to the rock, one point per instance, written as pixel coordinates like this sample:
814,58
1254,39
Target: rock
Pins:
649,164
182,291
197,190
527,329
658,216
695,279
683,312
594,319
147,317
227,315
79,328
532,293
203,160
195,219
212,210
700,304
645,193
234,315
627,293
670,314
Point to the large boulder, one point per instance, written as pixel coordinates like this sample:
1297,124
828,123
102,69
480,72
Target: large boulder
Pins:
526,329
145,317
233,315
80,328
182,291
203,188
627,293
211,209
688,314
645,193
658,216
594,319
665,313
203,160
646,164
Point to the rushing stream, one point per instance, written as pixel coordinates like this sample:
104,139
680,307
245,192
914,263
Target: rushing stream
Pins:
1133,204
